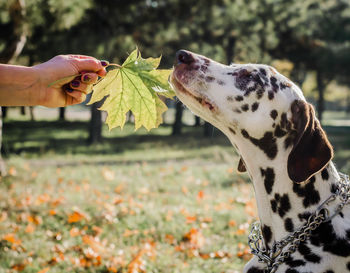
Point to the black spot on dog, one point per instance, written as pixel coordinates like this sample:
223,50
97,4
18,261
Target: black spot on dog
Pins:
348,266
273,205
279,132
255,270
307,254
284,121
232,131
269,178
245,107
262,71
326,237
280,204
294,263
308,192
236,110
273,114
271,95
255,106
220,82
274,84
324,174
239,98
267,233
334,188
259,93
289,270
209,79
267,143
329,271
288,225
304,216
229,98
250,90
204,68
243,78
284,85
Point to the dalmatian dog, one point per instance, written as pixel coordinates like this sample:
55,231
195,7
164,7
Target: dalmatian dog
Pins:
287,155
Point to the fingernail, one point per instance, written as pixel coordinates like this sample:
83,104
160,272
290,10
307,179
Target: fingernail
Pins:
68,89
104,63
75,83
86,78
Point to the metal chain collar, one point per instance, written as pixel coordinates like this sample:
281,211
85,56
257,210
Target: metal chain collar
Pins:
275,256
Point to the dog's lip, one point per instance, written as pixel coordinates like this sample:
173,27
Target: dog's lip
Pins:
204,101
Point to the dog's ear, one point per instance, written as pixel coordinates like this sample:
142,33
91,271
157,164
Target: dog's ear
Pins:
311,149
241,166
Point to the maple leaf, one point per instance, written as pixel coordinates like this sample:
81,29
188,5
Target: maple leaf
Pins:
134,86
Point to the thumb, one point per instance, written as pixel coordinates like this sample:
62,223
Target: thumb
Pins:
90,64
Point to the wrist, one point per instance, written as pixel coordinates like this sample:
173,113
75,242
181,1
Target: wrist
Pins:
35,87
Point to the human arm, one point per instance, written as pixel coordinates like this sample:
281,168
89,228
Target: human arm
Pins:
27,86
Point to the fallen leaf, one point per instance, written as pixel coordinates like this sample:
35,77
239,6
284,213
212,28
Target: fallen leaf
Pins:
108,174
30,228
44,270
74,232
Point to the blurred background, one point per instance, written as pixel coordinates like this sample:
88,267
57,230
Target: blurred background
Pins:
77,198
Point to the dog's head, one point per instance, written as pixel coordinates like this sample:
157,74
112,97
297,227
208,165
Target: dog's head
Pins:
257,104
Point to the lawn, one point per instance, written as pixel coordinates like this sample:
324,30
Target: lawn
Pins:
138,202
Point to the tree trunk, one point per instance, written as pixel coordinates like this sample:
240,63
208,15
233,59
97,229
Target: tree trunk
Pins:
197,121
177,126
62,113
298,74
4,111
230,50
17,37
95,129
321,86
17,34
31,112
208,129
23,111
2,163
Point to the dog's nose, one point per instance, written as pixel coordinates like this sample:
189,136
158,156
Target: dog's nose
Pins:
184,57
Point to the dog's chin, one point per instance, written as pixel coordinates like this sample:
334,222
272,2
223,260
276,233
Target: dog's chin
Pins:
190,97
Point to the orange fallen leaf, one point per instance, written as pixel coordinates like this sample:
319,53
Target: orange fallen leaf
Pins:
190,219
35,219
12,171
11,238
44,270
118,189
30,228
195,238
184,189
43,198
19,267
200,195
232,223
52,212
74,232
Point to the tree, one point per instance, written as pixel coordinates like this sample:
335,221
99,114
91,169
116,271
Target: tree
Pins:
13,40
312,34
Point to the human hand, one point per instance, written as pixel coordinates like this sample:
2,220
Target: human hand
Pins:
69,90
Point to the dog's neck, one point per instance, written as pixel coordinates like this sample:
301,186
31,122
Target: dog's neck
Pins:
283,205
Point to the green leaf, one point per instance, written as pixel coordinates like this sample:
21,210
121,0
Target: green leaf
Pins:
135,86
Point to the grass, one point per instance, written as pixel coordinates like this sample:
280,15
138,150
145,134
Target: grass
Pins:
138,202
